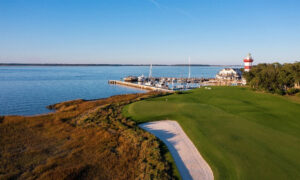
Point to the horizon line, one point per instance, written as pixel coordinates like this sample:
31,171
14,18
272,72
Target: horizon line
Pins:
104,64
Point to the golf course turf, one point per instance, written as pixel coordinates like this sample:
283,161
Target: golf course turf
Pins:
242,134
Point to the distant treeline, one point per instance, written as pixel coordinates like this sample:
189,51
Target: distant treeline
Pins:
37,64
275,78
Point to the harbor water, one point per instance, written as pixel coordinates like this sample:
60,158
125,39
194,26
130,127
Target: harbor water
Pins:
27,90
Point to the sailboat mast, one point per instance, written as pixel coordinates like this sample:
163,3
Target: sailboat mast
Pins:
150,71
189,67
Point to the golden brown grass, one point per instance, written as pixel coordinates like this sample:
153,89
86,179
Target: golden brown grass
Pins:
81,140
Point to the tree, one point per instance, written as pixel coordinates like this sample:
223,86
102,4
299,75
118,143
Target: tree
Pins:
274,78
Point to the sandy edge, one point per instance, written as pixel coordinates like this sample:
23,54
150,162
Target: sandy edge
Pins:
189,161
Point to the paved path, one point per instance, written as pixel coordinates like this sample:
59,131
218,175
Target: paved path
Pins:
189,161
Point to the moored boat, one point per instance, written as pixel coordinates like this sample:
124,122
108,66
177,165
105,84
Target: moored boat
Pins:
130,79
141,78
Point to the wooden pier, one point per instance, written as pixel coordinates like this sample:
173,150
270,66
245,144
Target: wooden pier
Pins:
139,86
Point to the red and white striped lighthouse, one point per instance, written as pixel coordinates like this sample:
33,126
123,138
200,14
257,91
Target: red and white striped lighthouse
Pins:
248,63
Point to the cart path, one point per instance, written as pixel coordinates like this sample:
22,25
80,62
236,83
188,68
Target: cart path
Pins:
189,161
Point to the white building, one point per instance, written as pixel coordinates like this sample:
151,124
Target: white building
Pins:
229,74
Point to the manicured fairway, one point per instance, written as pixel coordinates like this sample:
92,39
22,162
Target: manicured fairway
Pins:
242,134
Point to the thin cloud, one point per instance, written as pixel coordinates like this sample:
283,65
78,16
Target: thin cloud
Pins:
177,10
183,12
155,3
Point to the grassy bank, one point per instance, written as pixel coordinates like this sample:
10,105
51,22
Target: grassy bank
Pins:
241,133
82,140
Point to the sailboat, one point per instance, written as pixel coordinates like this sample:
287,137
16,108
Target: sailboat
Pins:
189,76
149,82
150,71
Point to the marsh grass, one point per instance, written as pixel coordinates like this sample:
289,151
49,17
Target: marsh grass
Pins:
81,140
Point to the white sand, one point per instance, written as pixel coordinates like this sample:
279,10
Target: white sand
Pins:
189,161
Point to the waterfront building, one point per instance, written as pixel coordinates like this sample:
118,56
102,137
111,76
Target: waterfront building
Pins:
229,74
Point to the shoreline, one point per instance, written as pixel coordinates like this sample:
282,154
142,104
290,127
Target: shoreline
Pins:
54,64
82,138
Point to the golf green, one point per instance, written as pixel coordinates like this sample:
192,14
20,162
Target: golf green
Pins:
242,134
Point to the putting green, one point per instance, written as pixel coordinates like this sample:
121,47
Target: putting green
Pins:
242,134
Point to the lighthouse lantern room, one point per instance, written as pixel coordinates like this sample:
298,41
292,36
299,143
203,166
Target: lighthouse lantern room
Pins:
248,63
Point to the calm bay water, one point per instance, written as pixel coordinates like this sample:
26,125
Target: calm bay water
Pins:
28,90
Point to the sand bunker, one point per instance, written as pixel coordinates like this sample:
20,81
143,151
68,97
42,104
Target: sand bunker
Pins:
189,161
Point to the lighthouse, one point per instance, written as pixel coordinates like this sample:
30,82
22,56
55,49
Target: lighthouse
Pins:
248,63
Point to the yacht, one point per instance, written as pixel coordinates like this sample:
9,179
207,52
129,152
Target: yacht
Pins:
141,78
130,79
149,83
161,84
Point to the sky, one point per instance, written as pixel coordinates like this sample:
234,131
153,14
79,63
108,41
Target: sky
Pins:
217,32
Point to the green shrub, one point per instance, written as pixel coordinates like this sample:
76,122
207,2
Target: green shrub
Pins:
292,91
178,92
279,91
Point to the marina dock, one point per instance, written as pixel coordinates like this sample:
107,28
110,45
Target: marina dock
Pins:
139,86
